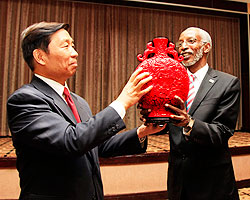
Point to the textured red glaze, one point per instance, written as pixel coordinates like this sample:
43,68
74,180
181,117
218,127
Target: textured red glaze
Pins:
169,77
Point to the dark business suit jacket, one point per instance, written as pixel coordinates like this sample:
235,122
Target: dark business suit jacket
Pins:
56,157
200,168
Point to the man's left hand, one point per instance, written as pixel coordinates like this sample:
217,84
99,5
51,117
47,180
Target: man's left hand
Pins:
148,129
181,117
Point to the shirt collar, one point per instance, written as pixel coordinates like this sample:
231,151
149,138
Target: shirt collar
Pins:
200,74
59,88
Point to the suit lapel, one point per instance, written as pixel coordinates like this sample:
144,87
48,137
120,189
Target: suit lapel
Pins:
209,80
57,100
64,108
84,115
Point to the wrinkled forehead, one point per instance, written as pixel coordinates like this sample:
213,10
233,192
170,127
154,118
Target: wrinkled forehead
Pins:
60,36
190,33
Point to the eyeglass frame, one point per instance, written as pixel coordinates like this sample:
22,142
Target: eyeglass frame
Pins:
179,43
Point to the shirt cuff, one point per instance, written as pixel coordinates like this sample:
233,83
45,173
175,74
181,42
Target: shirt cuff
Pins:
142,141
119,108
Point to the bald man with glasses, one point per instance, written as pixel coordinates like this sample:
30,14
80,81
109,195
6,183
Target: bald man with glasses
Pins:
200,165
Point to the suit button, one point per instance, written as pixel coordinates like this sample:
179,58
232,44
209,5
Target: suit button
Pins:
183,157
94,198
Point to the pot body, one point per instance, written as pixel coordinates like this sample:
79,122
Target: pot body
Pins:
169,78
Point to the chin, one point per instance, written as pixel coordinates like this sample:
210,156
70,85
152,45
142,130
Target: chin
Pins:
186,64
73,70
189,63
73,73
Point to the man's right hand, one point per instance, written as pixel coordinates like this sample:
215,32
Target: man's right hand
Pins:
132,92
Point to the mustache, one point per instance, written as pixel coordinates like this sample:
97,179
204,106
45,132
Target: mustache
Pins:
187,51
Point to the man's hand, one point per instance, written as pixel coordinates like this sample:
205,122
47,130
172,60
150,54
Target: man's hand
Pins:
148,129
132,92
181,118
144,113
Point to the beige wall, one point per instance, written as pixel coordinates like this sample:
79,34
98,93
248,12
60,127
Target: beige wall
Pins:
241,167
124,179
9,184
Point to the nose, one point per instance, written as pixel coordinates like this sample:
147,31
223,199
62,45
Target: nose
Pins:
183,46
73,52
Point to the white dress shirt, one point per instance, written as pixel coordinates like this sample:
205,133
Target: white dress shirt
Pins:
199,76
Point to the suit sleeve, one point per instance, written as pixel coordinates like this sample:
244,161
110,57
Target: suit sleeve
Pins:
126,143
35,121
221,124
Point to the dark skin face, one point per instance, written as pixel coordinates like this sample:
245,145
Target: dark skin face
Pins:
189,49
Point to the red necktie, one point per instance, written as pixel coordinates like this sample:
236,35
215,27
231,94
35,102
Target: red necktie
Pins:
71,104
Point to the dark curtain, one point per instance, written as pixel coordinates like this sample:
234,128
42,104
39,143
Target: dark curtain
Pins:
108,39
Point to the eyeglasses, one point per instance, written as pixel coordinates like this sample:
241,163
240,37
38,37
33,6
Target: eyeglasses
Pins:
189,41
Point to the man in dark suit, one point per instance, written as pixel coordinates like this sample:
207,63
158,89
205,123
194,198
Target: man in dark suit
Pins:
200,165
57,139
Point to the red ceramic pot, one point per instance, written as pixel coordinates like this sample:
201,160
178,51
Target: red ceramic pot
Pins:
169,78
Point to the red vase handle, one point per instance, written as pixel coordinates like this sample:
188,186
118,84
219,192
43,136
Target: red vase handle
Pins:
150,49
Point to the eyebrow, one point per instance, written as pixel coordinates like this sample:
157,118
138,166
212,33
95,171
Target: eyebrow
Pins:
68,40
189,38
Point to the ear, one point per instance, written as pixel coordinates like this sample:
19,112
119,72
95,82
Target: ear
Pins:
39,56
207,47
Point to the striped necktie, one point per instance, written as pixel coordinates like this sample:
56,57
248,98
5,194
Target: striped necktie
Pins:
191,93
